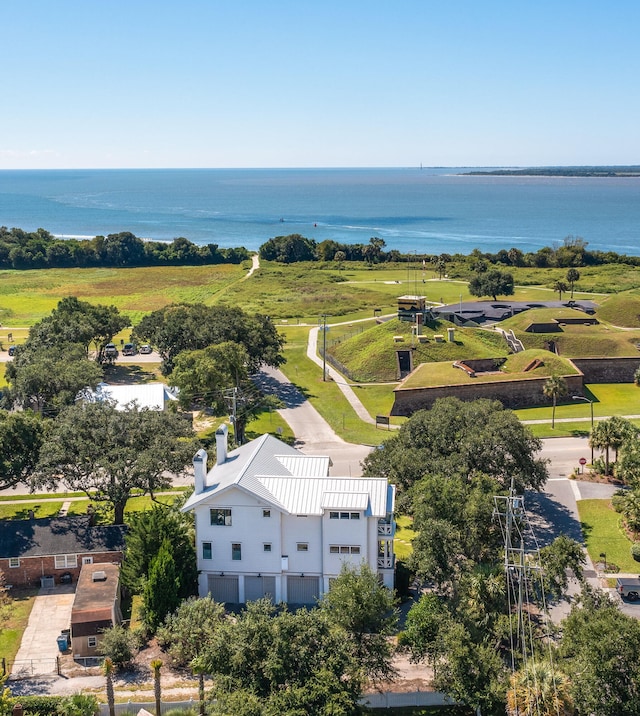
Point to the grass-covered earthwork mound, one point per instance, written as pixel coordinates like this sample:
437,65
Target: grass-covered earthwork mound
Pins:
573,341
429,375
621,309
370,356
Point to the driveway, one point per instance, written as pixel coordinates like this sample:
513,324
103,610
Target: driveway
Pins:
51,614
314,436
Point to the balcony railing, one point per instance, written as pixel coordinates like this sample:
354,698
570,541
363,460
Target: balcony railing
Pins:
385,529
385,562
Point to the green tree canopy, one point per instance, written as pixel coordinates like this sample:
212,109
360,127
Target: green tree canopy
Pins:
75,321
146,532
47,379
462,438
492,283
108,453
265,663
187,631
289,249
600,649
365,609
21,436
191,327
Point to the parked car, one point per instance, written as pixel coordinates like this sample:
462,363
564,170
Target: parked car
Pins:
146,349
12,350
628,587
110,350
129,349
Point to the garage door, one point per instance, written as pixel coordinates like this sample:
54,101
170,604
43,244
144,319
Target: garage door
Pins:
303,590
224,589
259,587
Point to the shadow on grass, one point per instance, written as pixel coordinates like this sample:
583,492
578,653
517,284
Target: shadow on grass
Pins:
123,374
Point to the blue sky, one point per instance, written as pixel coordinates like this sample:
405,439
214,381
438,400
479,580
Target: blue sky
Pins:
249,83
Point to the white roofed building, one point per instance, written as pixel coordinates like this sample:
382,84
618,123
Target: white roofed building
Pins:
271,522
152,396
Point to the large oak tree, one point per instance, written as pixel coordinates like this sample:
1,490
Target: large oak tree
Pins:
109,453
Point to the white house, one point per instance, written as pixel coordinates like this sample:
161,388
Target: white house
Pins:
271,521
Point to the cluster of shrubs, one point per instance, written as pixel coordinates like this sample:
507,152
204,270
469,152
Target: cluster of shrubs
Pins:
76,705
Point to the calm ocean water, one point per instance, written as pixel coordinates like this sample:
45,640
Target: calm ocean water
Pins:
430,210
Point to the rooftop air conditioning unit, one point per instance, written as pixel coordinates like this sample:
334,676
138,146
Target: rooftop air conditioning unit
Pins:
99,576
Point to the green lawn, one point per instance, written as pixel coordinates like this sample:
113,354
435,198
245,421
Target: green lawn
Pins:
404,534
13,621
602,533
608,399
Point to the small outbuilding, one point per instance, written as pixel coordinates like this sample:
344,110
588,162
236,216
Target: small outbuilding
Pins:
96,607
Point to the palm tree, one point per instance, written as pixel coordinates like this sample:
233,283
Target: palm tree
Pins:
199,672
611,433
108,669
156,665
573,275
554,387
539,690
560,287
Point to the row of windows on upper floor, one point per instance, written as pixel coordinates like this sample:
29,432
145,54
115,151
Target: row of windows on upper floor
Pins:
236,549
221,516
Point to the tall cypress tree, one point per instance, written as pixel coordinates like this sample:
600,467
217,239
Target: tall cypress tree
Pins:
147,531
160,594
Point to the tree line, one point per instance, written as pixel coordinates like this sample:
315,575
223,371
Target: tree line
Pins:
39,249
572,252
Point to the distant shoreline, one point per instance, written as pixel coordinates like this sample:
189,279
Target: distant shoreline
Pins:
565,172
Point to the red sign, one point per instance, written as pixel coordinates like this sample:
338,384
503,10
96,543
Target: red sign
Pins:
583,460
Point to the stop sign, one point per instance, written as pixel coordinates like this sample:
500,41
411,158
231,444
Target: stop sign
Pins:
583,460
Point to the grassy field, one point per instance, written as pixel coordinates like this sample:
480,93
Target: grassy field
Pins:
602,533
28,296
13,621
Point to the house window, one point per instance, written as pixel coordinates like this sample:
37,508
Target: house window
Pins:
14,561
334,515
66,561
302,546
266,547
300,515
344,515
206,550
236,551
87,560
344,549
221,517
92,641
355,515
266,513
